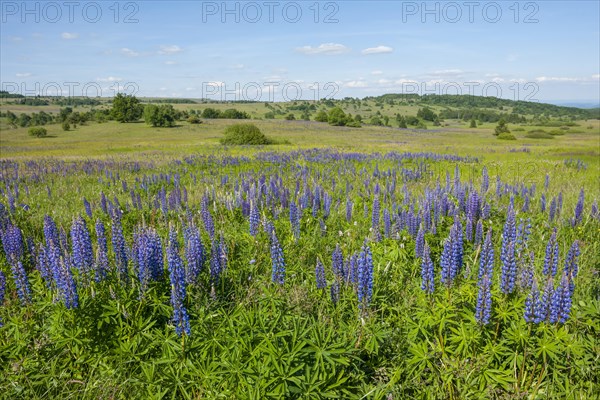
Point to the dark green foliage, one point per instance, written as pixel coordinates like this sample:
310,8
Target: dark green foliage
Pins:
126,108
337,117
194,119
38,132
506,136
163,115
244,134
321,116
501,128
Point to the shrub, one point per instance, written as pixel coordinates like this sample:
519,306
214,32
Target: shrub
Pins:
506,136
66,126
539,134
38,132
290,117
193,119
244,134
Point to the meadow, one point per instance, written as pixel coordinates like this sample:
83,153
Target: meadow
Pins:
355,263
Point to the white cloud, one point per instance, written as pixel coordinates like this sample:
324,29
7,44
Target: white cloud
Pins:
23,74
129,53
448,72
16,38
556,79
356,84
238,66
170,62
377,72
190,89
69,35
596,76
325,48
378,50
109,79
172,49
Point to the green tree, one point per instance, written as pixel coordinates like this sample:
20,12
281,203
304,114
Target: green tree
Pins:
38,132
163,115
244,134
427,114
501,127
290,117
337,117
473,123
321,116
66,126
126,108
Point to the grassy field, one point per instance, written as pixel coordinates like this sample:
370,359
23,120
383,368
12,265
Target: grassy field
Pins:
251,315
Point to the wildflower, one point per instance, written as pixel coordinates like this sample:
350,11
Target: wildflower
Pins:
484,301
320,275
427,275
365,277
101,264
277,261
178,289
194,253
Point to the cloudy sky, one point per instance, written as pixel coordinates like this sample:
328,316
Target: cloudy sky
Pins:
264,50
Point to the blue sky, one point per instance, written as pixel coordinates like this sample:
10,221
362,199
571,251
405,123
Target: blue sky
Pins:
545,50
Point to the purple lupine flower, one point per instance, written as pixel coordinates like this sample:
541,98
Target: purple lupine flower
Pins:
178,289
427,274
509,269
209,225
88,207
457,247
446,263
526,201
337,262
223,253
12,241
561,297
485,181
552,211
215,263
63,278
543,203
547,182
277,261
578,209
103,203
295,220
542,308
194,253
531,302
320,275
348,210
352,270
551,259
101,264
254,219
571,266
526,274
119,248
420,243
2,291
83,254
375,218
478,232
387,223
486,262
365,277
484,301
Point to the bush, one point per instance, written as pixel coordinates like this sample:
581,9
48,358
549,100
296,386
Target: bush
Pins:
506,136
290,117
163,115
193,119
38,132
66,126
244,134
539,134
